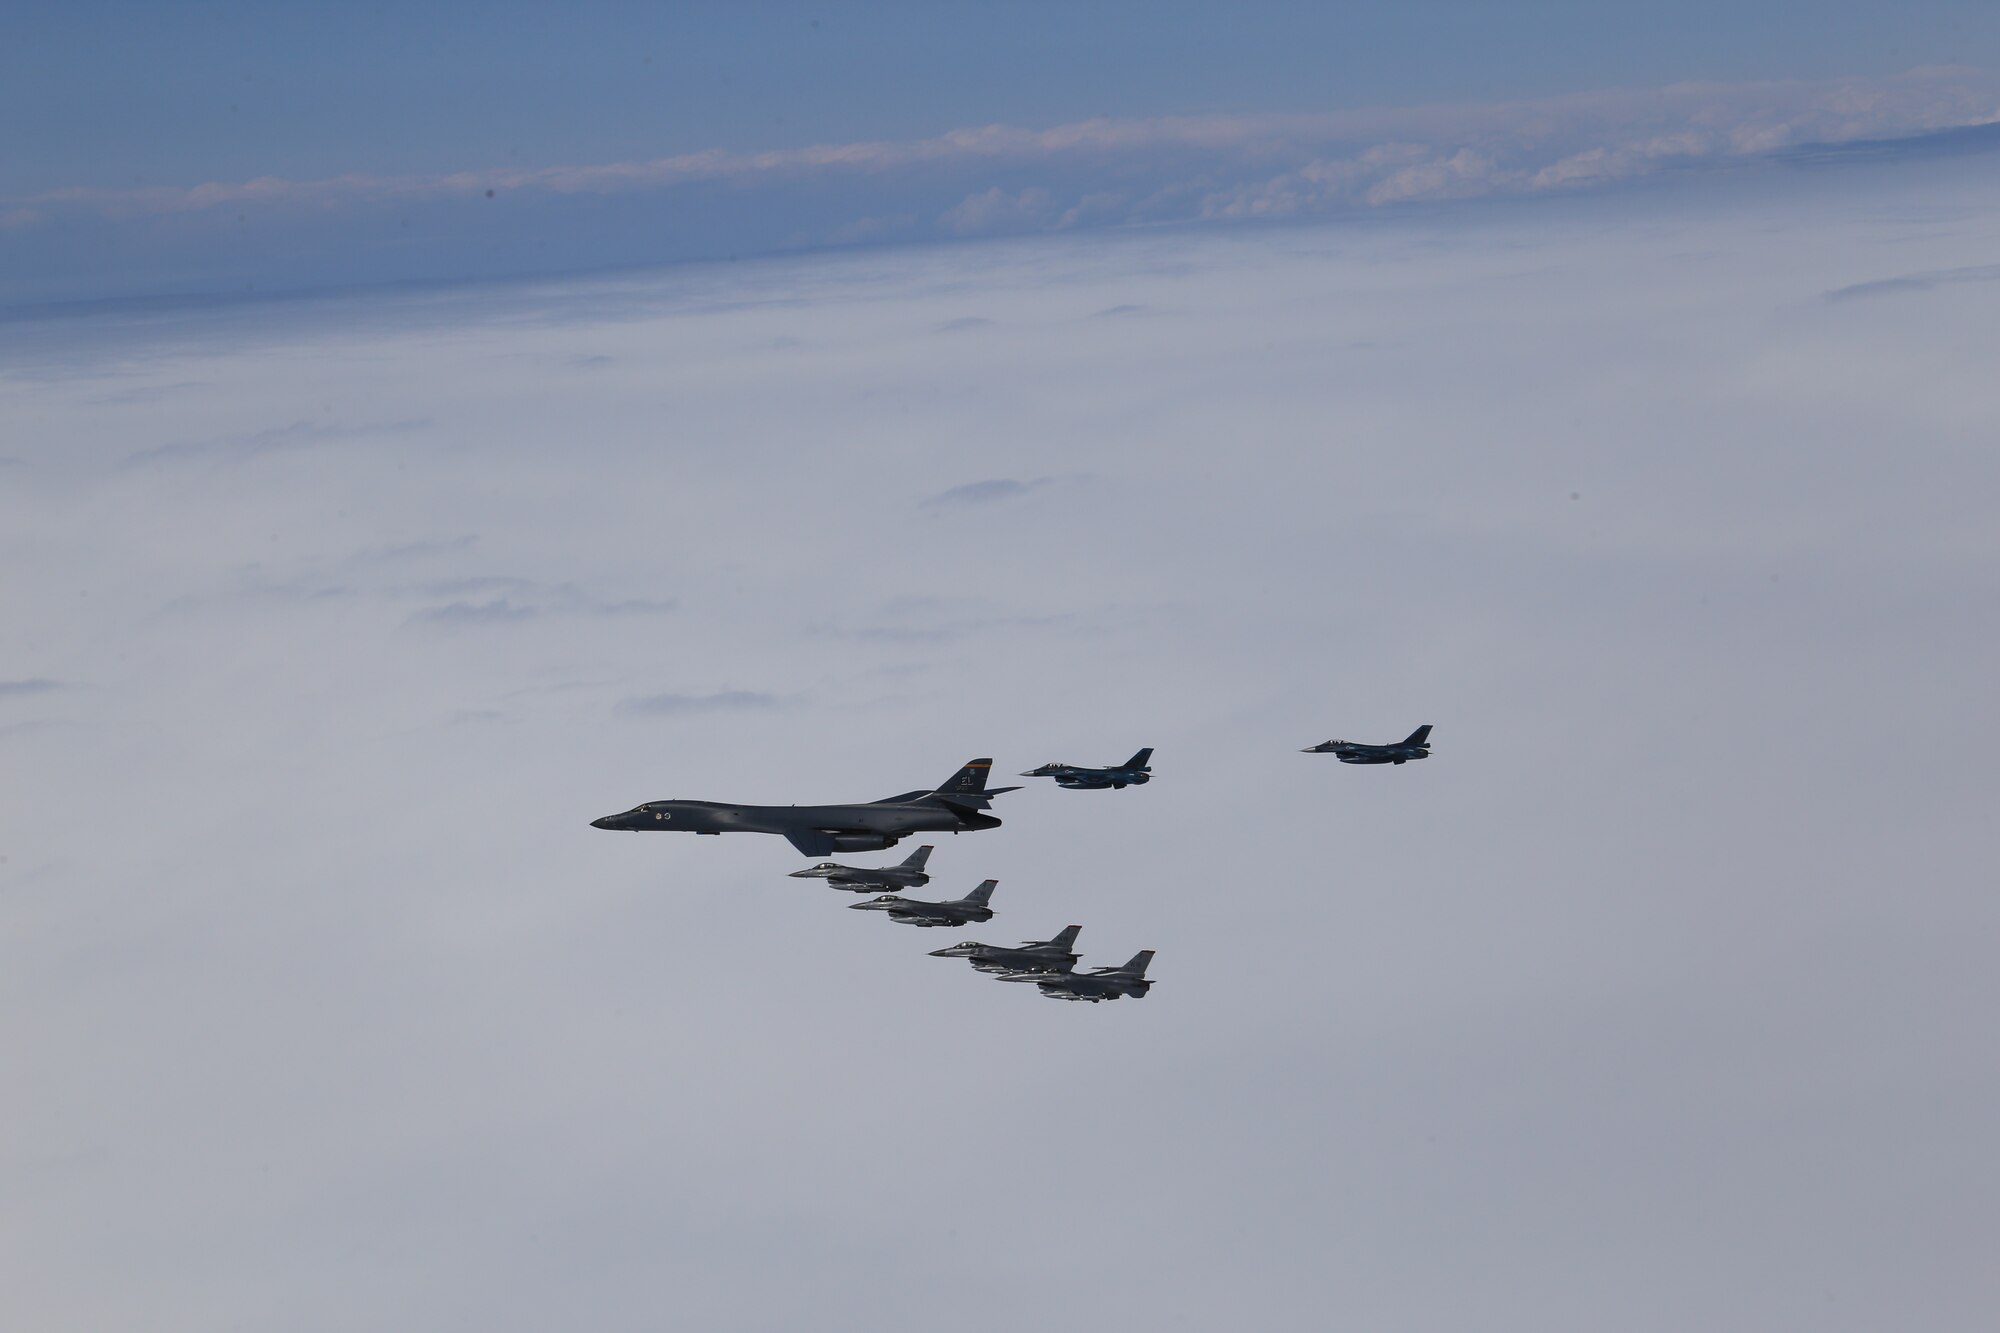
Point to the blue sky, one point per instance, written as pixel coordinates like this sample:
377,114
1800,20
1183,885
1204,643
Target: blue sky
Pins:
119,94
215,149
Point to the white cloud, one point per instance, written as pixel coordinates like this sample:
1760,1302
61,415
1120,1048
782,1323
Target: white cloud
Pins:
998,210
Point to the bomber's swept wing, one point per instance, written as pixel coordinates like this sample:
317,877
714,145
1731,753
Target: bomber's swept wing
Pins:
811,842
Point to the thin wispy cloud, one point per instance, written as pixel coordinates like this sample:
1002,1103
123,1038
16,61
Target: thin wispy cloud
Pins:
986,492
1916,282
684,705
298,435
10,689
498,611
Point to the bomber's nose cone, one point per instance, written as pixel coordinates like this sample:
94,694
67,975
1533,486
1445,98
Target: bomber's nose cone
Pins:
602,823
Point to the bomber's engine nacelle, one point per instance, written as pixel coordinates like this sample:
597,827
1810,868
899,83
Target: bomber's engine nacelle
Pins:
862,842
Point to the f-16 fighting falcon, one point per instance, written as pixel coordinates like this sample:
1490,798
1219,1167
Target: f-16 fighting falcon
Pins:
1056,955
1100,983
909,875
956,807
1417,745
1132,773
916,912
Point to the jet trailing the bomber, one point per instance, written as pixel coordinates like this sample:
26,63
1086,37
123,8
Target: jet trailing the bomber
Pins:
1417,745
856,879
916,912
1056,955
1098,984
958,806
1134,772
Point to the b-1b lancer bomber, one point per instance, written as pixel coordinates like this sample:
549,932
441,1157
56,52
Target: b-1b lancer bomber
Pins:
1100,983
856,879
1056,955
1417,745
917,912
1132,773
958,806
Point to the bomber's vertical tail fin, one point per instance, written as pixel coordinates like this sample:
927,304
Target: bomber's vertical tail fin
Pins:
1140,960
1066,938
1139,760
915,860
979,895
1421,736
968,781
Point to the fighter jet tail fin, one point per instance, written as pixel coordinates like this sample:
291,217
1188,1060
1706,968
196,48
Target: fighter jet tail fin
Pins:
1139,760
1140,960
915,860
982,893
1066,938
1421,736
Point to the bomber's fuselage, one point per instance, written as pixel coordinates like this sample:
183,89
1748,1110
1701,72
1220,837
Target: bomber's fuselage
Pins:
716,817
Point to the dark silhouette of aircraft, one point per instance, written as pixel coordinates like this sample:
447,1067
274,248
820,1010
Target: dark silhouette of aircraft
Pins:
1056,955
916,912
956,807
855,879
1417,745
1100,983
1133,772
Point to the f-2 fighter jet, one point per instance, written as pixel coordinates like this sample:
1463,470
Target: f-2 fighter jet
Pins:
1132,773
1416,745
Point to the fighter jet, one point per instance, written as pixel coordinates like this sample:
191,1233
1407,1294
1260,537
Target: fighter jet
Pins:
1054,955
816,830
1100,983
1131,773
855,879
1417,745
916,912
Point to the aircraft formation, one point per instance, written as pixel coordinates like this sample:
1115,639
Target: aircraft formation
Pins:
959,805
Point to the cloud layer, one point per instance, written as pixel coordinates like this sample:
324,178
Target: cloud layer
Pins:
1659,999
